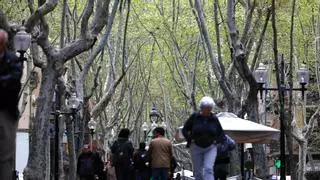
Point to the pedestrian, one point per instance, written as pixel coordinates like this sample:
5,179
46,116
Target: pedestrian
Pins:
140,160
86,164
122,154
203,131
10,75
98,163
223,160
160,153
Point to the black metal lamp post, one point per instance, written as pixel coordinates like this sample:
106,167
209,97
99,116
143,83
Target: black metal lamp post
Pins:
72,104
145,128
92,125
22,42
303,78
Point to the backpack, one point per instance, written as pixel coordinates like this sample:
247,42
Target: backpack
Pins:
121,153
140,160
228,144
86,166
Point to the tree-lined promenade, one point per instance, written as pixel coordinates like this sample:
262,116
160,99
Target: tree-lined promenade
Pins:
112,61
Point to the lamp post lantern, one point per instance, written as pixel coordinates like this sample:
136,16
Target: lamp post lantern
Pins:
73,103
145,128
92,125
21,44
303,78
163,125
22,41
154,115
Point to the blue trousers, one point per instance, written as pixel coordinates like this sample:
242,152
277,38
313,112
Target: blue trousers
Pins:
160,173
203,161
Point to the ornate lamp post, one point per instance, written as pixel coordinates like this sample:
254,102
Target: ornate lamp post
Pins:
154,118
92,125
21,42
145,128
72,104
303,78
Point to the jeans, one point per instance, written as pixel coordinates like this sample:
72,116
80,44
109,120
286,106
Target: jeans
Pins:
203,161
160,173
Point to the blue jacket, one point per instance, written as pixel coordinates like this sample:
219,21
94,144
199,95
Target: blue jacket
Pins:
10,75
203,131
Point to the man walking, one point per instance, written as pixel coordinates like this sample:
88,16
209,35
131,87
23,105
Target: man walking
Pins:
160,153
10,75
86,164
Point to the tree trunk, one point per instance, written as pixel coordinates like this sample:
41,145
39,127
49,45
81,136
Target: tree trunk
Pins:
303,148
39,129
71,148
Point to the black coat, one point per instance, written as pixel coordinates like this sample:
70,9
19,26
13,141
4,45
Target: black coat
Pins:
203,130
10,75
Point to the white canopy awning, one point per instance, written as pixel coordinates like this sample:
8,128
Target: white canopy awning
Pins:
243,131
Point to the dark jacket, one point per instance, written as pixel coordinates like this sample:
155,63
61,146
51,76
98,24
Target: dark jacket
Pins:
10,74
125,145
140,158
203,131
87,164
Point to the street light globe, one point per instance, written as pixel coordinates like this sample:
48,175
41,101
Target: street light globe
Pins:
163,125
92,124
145,126
154,125
73,102
303,74
22,40
260,73
154,114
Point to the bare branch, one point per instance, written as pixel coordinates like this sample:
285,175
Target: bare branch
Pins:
31,6
260,41
4,24
44,9
214,63
239,51
85,18
43,39
248,22
102,10
102,42
106,98
308,129
76,47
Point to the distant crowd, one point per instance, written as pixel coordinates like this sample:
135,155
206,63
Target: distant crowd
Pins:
209,147
126,163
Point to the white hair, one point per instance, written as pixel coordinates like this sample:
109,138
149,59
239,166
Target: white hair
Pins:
5,35
207,102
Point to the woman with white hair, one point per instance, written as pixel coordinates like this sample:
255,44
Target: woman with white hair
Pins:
203,131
